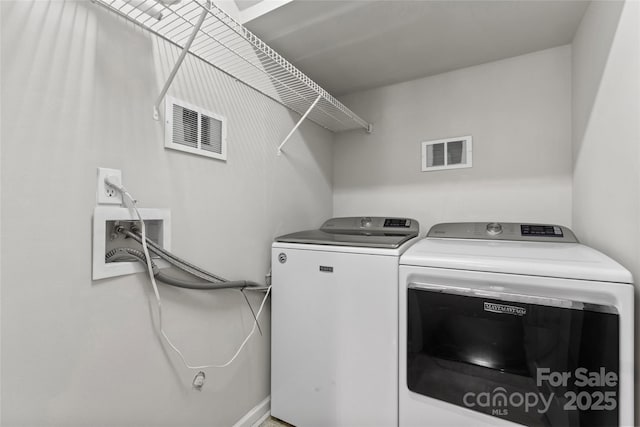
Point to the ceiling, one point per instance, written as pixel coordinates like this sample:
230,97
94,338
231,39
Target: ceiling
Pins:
245,4
348,46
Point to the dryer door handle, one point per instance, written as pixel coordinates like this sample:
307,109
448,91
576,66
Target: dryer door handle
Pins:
513,297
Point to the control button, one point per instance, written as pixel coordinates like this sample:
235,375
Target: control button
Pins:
494,228
366,221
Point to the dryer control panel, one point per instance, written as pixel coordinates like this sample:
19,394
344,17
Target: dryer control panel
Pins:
503,231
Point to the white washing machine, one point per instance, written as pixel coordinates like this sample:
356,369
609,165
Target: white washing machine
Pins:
505,324
334,318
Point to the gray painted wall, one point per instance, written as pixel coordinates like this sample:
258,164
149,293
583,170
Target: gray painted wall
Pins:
78,85
606,136
76,94
518,111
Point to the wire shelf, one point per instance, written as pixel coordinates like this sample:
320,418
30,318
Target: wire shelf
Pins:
230,47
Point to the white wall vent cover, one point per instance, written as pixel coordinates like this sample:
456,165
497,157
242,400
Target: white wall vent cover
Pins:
450,153
194,130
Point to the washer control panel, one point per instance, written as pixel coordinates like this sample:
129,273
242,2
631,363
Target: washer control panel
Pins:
371,223
503,231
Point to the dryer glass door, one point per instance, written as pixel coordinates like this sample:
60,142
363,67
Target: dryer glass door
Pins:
532,360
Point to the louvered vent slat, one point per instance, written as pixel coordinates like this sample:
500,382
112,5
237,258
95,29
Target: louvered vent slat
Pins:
211,134
435,155
185,126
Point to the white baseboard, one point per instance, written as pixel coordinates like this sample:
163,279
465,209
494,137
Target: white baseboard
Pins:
262,419
257,415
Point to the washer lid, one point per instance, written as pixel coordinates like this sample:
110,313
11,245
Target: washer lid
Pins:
567,260
370,232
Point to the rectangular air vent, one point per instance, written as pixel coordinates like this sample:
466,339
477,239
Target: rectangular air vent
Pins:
194,130
450,153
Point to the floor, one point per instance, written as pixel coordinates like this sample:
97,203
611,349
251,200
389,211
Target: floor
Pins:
274,422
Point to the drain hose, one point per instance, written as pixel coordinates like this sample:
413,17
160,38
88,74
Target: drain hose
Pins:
120,254
172,259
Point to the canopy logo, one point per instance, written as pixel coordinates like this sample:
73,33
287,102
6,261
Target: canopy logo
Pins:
590,391
499,401
504,309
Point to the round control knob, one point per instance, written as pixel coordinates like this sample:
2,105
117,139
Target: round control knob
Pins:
366,221
494,228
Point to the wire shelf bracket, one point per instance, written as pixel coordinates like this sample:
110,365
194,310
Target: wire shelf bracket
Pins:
176,67
304,116
201,28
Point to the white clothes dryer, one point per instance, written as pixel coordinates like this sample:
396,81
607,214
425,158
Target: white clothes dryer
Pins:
334,318
505,324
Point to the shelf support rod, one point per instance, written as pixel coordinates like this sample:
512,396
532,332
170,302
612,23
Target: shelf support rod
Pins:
304,116
176,67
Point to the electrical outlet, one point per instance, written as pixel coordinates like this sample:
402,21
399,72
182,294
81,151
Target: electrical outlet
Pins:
106,194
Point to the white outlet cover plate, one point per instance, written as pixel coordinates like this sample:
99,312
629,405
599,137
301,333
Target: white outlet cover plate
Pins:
102,214
106,195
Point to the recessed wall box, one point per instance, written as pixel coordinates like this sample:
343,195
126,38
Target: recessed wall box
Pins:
105,218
